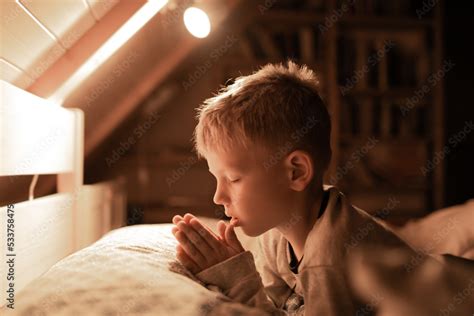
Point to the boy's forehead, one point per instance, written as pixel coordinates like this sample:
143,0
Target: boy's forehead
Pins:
238,159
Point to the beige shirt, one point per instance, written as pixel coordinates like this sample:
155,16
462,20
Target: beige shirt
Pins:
321,280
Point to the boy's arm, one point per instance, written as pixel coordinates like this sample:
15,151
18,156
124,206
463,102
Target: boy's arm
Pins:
328,290
234,273
239,280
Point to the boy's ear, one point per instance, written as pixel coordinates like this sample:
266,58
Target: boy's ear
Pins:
299,169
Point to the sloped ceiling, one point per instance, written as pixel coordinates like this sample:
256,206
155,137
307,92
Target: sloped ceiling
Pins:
45,42
36,34
39,57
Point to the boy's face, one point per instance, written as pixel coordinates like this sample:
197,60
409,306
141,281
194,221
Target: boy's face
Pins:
259,198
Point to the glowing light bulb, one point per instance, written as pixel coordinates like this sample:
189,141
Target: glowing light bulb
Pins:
197,22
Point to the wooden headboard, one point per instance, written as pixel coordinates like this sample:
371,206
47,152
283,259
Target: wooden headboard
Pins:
38,137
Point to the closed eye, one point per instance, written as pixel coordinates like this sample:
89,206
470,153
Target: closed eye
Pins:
234,181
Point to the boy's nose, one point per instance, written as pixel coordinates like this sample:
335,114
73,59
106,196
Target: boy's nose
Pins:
220,197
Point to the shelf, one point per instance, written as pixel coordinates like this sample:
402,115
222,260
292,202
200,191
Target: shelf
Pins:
373,111
293,17
359,139
346,20
384,22
394,93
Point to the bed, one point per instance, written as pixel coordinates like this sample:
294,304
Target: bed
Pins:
130,271
37,138
73,257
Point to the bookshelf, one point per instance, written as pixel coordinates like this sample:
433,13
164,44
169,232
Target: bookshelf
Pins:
379,63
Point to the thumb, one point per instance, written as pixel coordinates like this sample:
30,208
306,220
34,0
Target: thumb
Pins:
232,239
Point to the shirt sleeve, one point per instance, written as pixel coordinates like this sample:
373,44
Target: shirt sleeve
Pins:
239,280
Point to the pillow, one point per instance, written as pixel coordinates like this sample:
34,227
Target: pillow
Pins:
446,231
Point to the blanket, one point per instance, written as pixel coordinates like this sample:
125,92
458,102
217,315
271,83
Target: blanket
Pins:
130,271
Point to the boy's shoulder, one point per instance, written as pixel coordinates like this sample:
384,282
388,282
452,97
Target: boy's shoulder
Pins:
342,227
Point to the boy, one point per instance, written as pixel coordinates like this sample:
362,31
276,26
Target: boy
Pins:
266,139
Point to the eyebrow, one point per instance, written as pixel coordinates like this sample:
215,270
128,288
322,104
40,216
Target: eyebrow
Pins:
233,169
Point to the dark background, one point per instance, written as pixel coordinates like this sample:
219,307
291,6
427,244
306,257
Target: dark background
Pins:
458,46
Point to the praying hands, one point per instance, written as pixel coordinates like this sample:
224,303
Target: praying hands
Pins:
199,247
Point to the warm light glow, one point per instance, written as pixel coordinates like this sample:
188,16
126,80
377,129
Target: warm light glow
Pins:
119,38
197,22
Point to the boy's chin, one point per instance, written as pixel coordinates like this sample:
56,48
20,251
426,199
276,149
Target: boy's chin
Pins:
252,231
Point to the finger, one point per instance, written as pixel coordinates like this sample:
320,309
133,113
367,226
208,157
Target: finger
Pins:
177,219
210,237
221,227
198,241
205,227
232,239
174,230
190,249
186,260
187,217
198,226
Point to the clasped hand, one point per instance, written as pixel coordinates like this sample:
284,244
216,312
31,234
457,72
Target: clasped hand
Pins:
199,247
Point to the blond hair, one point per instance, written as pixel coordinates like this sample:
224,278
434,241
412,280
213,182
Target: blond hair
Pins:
276,106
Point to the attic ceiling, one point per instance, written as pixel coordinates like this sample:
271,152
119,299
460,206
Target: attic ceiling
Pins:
36,34
65,33
44,43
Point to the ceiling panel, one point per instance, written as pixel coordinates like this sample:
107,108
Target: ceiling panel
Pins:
24,43
14,75
67,20
101,7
